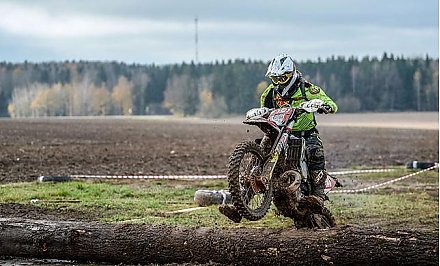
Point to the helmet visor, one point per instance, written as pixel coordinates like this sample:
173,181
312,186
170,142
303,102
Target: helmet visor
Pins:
281,79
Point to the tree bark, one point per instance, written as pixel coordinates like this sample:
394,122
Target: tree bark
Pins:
144,244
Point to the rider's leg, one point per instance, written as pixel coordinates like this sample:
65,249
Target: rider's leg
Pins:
316,164
231,212
318,184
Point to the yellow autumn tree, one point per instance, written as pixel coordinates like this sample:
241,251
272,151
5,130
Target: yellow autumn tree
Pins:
11,110
57,100
210,106
38,105
122,96
50,101
100,100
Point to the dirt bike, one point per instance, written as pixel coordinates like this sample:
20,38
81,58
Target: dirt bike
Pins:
275,168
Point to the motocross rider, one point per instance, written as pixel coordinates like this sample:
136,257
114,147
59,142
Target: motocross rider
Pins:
288,87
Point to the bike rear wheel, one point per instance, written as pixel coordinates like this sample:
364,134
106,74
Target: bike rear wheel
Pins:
251,190
286,191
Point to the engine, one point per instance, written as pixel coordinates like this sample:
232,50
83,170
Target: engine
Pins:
293,151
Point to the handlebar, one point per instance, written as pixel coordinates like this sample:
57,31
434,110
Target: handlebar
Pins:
308,107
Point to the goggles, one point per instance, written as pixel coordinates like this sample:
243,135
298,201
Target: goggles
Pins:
281,79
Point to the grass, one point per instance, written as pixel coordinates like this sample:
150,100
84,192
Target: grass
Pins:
146,202
406,209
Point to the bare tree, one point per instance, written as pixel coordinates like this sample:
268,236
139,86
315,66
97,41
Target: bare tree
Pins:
20,105
417,85
179,95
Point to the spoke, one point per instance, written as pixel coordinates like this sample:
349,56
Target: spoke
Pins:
256,201
249,167
247,197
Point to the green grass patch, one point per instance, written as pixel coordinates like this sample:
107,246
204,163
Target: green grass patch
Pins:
406,209
397,172
147,201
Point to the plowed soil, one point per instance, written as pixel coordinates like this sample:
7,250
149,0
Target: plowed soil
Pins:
31,148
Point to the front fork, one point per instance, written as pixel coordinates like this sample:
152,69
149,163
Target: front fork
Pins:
273,151
265,144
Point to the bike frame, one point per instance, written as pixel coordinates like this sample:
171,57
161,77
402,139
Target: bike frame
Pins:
280,121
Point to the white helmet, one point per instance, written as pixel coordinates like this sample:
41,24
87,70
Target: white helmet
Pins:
280,68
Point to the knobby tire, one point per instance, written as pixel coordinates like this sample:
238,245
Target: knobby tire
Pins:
234,182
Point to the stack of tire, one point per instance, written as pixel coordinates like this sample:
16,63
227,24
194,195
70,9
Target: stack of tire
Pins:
212,197
419,165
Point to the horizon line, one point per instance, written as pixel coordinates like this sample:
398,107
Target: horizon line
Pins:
319,59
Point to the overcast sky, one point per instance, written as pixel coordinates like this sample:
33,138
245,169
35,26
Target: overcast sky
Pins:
163,31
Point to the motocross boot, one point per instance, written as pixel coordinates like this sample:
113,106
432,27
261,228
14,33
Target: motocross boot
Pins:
231,212
318,184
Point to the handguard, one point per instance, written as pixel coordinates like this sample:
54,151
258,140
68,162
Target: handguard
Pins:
257,112
312,105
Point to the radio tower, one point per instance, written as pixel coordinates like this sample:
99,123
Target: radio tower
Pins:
197,40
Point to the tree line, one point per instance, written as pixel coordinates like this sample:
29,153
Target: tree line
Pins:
73,88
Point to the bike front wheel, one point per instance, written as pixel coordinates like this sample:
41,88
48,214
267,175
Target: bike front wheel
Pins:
250,187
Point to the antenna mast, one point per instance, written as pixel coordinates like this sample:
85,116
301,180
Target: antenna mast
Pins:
197,39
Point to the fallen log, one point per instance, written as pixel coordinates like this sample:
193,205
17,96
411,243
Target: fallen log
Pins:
145,244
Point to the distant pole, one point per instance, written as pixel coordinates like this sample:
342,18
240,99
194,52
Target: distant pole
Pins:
197,40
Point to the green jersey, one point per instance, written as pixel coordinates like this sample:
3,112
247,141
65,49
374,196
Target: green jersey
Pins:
306,121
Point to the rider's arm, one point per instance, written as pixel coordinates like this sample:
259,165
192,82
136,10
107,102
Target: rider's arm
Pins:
315,92
266,97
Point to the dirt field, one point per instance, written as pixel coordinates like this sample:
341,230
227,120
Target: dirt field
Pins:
31,148
406,120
